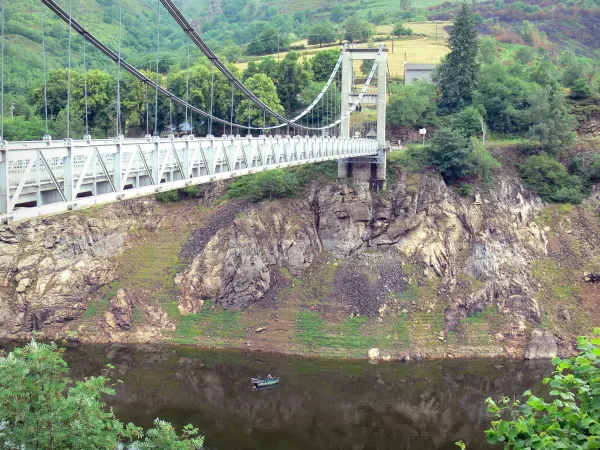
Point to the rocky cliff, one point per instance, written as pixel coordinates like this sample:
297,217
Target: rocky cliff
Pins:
416,270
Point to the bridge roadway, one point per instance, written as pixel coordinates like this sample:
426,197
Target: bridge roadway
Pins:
46,177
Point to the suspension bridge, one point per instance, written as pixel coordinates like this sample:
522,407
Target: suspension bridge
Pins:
50,176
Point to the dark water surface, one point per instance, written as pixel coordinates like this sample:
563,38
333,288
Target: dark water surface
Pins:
320,404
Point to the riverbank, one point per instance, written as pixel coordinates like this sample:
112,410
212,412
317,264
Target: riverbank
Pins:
417,272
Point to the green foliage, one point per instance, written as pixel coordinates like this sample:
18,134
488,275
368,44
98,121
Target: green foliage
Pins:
449,153
323,63
357,29
413,104
483,162
581,89
413,159
168,196
504,96
322,33
465,189
21,128
264,88
550,179
467,121
457,73
265,185
293,76
280,183
487,50
551,124
41,408
570,421
594,172
401,30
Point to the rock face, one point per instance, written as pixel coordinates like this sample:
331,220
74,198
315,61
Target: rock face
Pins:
48,267
120,313
490,240
542,344
234,266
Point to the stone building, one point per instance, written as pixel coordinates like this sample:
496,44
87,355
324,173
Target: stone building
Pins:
422,72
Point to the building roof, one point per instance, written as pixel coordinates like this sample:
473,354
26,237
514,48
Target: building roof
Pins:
418,67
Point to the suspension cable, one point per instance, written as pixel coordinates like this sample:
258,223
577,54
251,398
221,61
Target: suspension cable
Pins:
148,105
231,117
131,69
187,86
68,73
45,70
85,94
157,60
212,93
2,73
119,70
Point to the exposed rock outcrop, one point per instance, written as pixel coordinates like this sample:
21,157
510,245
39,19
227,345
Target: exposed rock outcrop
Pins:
234,266
490,240
48,267
542,344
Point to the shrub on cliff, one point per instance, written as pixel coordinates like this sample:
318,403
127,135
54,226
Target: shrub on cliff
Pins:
549,178
570,421
41,408
448,151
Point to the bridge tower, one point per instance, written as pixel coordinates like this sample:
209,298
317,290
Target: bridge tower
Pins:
370,170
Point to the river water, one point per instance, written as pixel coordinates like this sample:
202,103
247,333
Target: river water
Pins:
320,403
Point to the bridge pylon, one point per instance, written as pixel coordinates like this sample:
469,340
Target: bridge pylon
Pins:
371,170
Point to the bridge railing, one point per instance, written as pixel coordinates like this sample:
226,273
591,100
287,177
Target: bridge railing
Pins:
44,177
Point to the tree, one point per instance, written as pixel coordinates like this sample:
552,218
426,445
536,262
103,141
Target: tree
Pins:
457,74
467,121
293,76
366,65
41,408
357,29
483,162
337,14
264,88
487,50
580,89
321,33
406,5
413,104
401,30
448,151
323,64
570,421
551,124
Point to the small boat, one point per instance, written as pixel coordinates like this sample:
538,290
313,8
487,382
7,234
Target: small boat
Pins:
258,383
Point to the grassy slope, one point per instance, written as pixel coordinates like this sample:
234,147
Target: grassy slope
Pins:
420,48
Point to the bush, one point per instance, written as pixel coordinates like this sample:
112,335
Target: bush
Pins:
194,191
594,172
401,30
550,179
448,151
580,89
483,162
468,121
413,159
571,420
465,189
168,196
41,408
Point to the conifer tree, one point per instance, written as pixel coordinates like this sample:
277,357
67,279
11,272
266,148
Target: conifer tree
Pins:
456,75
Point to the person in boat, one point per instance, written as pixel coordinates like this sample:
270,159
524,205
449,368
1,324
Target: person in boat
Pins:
269,377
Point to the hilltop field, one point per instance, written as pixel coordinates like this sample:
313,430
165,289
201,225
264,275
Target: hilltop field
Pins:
422,47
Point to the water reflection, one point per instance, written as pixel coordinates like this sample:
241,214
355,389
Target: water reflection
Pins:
320,404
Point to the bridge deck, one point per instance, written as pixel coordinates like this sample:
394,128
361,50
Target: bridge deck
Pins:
45,177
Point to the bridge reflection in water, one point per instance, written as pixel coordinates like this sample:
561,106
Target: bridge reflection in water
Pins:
45,177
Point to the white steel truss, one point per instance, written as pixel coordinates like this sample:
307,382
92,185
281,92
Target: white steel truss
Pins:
47,177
